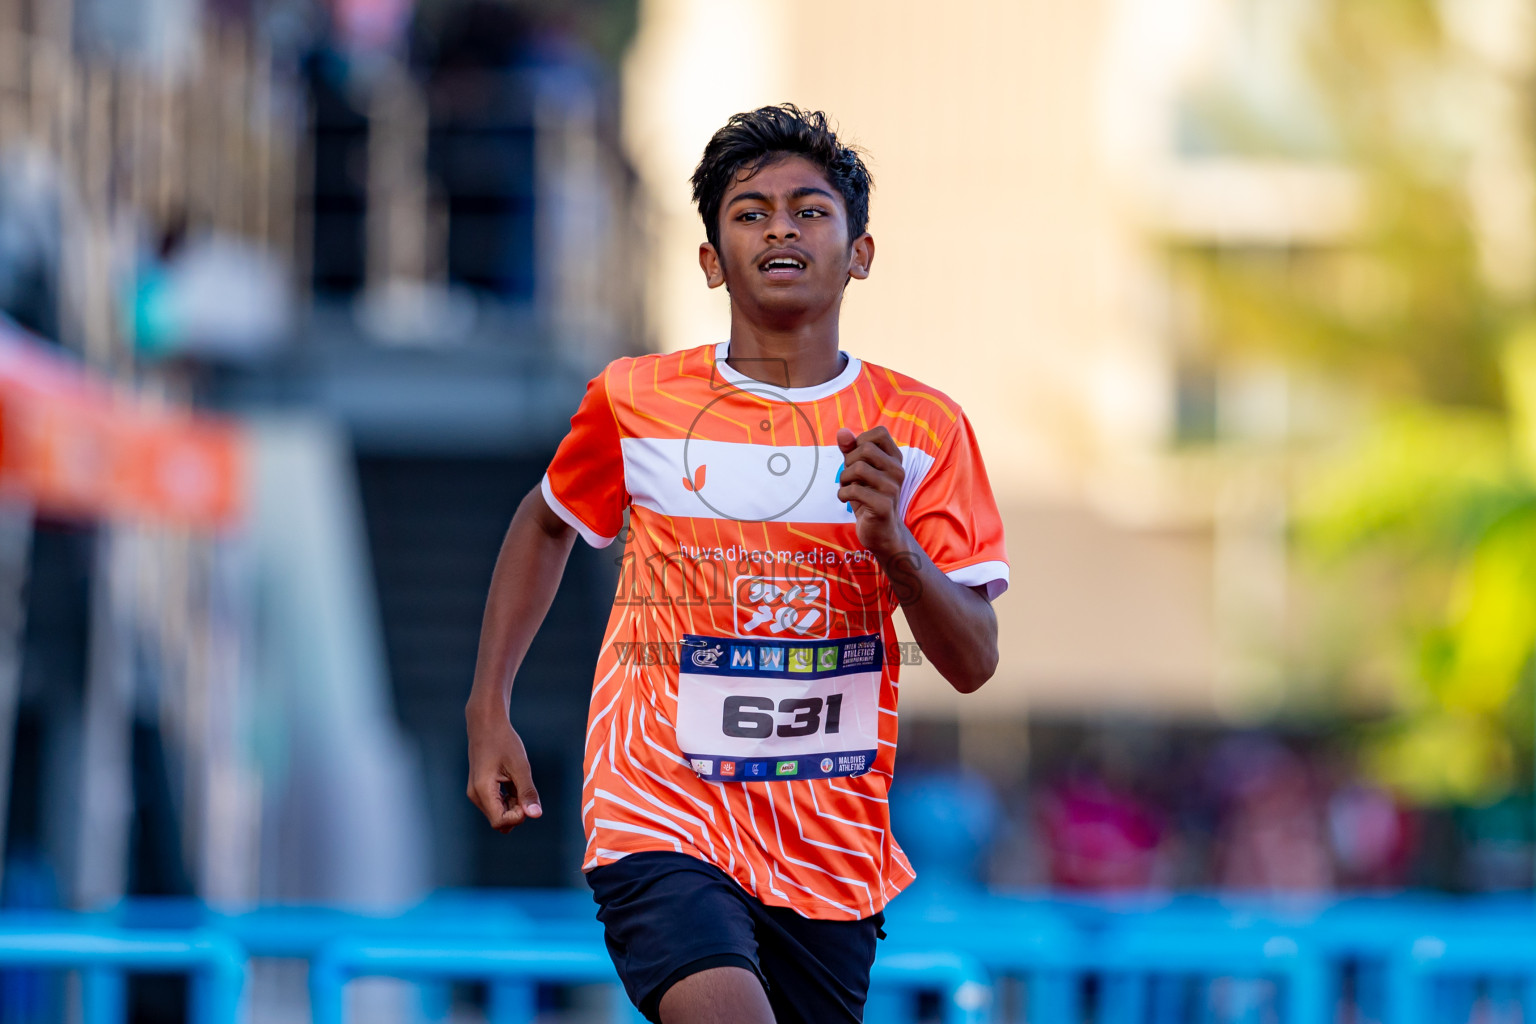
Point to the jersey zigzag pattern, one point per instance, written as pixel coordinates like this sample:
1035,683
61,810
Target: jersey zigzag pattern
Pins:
745,696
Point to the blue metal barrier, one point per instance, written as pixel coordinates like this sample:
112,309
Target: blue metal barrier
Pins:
1356,937
1144,959
1159,974
301,931
963,985
1031,941
103,953
1363,938
513,968
1471,976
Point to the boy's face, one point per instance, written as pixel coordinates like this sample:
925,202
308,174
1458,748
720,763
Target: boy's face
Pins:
784,250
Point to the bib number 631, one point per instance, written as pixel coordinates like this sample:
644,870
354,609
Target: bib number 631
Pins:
753,717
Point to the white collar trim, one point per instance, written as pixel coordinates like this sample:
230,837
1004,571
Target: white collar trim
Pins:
774,392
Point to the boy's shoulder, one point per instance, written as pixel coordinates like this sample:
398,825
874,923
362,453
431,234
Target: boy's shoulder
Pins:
678,360
931,412
657,367
908,388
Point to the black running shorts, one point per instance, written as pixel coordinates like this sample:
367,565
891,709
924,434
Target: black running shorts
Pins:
668,915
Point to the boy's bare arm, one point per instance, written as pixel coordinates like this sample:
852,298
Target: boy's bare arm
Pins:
953,623
528,570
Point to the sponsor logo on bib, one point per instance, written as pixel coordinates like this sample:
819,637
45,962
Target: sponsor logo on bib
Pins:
864,654
703,765
727,767
826,764
787,768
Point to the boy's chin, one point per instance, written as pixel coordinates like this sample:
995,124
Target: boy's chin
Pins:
780,303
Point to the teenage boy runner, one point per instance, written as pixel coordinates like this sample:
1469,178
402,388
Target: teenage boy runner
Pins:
783,498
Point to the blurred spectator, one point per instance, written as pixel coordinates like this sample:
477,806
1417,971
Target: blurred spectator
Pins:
1371,835
208,295
1272,836
945,821
31,239
471,37
371,26
1496,854
1098,838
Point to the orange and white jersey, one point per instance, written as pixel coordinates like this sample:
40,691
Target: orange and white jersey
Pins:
744,704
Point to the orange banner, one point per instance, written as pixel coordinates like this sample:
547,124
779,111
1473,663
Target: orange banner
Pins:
73,446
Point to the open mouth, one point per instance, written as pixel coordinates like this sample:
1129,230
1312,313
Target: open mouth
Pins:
781,265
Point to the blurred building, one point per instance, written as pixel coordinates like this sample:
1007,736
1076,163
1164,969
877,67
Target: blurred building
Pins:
1031,160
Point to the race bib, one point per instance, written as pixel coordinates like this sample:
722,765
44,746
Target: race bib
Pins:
757,710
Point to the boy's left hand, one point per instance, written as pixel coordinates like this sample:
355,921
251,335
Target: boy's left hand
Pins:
871,484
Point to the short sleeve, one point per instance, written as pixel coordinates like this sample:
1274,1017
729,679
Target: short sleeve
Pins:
953,515
584,484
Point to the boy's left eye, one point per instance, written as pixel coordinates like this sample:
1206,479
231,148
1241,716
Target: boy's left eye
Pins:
811,212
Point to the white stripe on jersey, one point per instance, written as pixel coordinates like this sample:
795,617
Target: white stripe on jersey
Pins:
748,482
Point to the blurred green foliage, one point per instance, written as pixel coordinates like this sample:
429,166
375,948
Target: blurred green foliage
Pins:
1437,478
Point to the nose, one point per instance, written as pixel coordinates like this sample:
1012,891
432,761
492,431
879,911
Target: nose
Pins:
781,227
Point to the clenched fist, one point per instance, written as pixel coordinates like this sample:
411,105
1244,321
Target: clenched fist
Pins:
870,482
496,756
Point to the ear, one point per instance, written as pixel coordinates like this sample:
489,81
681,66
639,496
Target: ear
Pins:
860,256
709,262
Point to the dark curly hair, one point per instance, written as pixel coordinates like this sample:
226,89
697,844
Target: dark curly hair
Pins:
753,139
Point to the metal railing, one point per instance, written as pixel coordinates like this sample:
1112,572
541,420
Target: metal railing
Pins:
105,953
956,956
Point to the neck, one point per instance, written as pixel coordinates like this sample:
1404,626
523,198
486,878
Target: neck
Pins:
795,356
